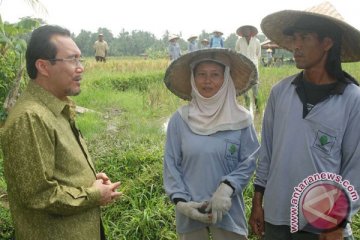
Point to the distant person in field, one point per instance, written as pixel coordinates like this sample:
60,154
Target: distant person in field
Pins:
204,44
310,142
101,49
269,57
53,188
211,145
174,48
192,43
248,45
216,41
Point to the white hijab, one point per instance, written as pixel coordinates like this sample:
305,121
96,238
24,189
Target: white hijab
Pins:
220,112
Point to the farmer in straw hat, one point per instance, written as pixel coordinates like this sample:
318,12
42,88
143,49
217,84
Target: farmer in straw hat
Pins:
192,45
174,48
101,48
249,46
310,132
204,43
211,144
216,40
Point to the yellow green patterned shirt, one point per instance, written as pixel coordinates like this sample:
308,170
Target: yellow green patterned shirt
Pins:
48,170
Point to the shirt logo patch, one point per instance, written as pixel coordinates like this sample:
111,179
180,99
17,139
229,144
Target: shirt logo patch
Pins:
231,150
324,142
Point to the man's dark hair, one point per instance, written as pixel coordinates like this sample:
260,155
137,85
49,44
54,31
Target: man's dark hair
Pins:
324,28
40,46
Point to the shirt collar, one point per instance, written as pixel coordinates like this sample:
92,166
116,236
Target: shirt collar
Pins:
338,90
55,105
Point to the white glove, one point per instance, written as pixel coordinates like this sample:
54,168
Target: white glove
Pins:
220,202
191,210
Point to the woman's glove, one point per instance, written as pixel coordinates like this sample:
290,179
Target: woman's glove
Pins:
191,210
220,202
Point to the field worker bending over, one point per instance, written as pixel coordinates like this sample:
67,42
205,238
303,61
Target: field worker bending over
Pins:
211,144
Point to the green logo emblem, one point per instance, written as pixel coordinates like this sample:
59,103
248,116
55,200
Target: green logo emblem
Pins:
323,140
232,149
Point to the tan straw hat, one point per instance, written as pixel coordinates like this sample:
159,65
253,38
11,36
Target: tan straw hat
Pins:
242,70
192,37
171,37
217,31
205,40
276,25
253,30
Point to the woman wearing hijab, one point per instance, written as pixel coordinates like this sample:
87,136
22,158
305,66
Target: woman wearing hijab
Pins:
211,144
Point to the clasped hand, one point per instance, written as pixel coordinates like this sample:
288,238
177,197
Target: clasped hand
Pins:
220,203
191,210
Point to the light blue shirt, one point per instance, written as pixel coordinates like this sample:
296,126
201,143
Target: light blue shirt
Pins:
174,51
195,165
290,151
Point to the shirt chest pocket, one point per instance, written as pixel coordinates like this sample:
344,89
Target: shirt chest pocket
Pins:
326,143
232,150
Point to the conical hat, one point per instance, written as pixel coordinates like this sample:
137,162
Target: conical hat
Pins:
273,27
171,37
253,30
242,70
192,37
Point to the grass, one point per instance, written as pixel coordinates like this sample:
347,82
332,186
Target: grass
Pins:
125,137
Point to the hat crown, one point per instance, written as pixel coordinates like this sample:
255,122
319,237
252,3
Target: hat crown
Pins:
327,9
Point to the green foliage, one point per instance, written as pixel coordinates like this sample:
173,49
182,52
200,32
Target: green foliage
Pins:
125,138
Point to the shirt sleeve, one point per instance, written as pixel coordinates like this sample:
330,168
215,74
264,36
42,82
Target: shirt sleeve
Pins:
173,183
243,172
350,166
29,153
237,45
264,161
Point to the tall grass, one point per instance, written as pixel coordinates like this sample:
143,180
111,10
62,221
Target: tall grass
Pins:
125,136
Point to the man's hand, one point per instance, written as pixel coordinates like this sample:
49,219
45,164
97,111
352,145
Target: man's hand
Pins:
256,220
108,192
220,202
336,234
191,210
102,176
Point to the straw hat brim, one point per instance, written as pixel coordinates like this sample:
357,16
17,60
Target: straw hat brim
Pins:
173,37
216,31
274,24
253,30
192,37
242,70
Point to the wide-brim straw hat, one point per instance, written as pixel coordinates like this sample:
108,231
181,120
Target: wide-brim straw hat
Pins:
172,37
253,30
192,37
205,40
178,74
217,31
273,27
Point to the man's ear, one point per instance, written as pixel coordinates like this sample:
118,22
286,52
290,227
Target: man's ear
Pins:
42,66
328,43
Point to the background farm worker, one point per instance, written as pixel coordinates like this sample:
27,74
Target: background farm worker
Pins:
311,126
216,41
101,49
248,45
53,189
192,43
211,144
174,48
204,43
269,57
